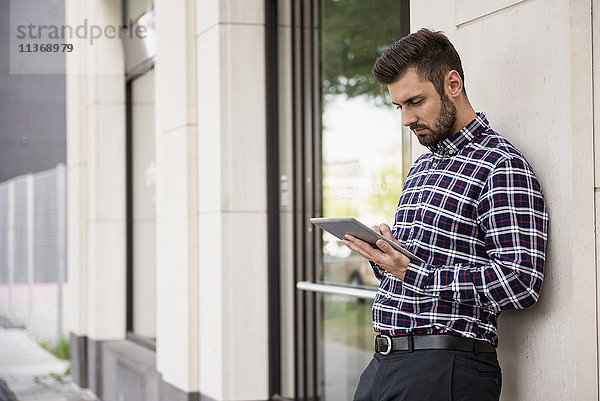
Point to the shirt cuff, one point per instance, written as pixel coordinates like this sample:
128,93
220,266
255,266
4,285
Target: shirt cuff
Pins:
417,275
378,270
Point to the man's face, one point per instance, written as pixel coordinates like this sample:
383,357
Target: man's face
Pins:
430,116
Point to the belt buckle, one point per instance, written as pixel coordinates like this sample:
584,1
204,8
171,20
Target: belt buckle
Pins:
389,342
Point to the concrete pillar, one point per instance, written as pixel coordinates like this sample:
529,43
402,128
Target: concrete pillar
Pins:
232,217
177,188
96,183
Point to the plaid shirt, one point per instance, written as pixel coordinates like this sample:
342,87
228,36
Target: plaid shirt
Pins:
473,210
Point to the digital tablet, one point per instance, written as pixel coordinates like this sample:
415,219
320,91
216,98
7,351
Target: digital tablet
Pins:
340,226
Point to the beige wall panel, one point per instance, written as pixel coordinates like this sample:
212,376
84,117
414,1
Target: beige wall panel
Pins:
231,113
585,302
209,119
436,15
176,194
213,12
175,27
105,54
76,250
233,299
232,210
106,221
106,272
96,165
106,142
596,91
108,89
245,304
468,10
211,281
516,81
76,180
242,11
207,15
243,118
75,113
176,261
527,65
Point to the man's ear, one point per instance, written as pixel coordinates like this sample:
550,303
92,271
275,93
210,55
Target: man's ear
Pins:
453,84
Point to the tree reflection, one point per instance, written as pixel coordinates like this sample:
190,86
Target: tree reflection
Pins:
354,33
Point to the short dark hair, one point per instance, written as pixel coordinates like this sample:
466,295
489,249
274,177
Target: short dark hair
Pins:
430,53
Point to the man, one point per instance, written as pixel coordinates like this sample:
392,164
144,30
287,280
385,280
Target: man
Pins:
473,210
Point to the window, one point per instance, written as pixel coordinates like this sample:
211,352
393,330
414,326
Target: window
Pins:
141,191
342,151
143,207
363,166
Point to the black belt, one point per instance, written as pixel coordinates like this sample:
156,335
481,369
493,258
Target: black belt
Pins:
386,344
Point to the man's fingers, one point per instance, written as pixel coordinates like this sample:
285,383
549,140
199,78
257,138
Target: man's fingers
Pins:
353,247
386,231
383,254
395,256
361,247
384,246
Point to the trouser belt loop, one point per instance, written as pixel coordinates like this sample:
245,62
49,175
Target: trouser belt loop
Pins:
411,343
476,347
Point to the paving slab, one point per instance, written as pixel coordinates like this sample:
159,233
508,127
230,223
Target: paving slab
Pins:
32,373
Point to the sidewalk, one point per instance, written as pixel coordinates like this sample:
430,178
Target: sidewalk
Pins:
33,374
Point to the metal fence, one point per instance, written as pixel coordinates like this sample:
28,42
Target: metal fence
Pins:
33,281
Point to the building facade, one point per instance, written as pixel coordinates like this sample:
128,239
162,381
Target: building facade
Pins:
30,142
194,165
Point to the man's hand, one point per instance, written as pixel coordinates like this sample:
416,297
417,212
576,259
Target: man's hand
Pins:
386,256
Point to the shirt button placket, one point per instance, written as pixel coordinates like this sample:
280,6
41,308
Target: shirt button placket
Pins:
434,165
435,162
418,208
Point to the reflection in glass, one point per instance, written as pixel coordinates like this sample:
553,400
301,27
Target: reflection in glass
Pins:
347,340
362,176
362,137
134,8
365,158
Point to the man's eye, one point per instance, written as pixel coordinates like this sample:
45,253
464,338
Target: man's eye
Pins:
417,102
398,107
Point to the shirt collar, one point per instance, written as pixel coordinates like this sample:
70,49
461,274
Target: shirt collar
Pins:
455,142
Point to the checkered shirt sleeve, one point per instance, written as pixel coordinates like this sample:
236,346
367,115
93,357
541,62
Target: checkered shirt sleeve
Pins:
511,216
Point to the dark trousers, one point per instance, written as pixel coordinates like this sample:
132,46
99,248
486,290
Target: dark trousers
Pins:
431,375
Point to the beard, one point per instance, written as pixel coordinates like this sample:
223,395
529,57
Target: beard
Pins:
443,125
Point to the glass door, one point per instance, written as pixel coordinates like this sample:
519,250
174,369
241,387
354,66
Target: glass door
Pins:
365,157
341,151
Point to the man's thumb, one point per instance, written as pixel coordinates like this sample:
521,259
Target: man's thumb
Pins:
383,245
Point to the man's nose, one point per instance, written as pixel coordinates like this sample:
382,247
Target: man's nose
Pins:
408,118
